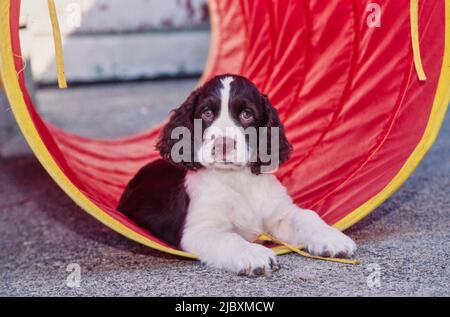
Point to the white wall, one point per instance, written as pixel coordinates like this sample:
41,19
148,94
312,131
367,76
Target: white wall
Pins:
117,39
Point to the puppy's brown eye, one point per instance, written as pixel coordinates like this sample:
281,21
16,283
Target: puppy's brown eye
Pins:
246,115
207,114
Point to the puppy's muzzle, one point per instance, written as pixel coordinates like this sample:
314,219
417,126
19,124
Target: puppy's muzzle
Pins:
223,149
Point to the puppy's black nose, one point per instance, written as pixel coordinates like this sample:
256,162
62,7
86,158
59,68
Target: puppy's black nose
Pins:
222,146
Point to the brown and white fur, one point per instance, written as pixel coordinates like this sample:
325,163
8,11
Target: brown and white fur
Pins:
214,205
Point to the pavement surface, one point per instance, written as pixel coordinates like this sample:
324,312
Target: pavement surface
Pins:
45,237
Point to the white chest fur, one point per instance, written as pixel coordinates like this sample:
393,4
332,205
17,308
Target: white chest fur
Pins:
233,200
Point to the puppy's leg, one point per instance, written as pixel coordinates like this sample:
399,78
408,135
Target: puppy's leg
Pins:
304,227
228,250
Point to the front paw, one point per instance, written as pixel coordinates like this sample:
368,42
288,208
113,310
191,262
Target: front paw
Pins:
255,260
330,242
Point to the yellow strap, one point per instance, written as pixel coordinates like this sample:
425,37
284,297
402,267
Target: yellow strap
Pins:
414,18
62,83
266,237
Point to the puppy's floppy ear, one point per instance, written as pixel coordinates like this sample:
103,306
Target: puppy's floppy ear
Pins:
273,121
182,116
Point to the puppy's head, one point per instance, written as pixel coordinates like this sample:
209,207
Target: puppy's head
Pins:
225,124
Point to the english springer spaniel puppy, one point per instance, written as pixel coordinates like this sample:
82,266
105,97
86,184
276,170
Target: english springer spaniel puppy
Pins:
212,192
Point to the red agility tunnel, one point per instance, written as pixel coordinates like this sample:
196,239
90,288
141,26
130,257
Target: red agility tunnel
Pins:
361,86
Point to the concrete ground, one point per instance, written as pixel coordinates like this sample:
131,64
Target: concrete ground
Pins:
404,244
